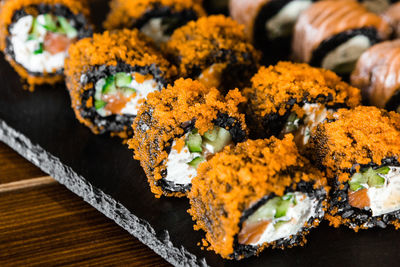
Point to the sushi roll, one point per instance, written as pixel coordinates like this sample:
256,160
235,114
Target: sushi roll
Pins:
179,128
360,151
215,51
392,15
333,34
259,194
155,18
294,98
377,74
269,24
110,75
35,36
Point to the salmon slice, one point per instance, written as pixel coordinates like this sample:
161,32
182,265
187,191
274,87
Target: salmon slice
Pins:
359,199
252,232
116,102
55,43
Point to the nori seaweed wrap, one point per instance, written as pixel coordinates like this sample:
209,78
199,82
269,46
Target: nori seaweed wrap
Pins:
259,194
35,36
333,34
294,98
377,74
269,24
215,51
179,128
156,18
109,76
360,151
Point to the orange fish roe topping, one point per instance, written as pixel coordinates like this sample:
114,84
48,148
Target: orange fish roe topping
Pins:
128,46
209,40
237,178
162,117
125,13
7,10
273,87
355,137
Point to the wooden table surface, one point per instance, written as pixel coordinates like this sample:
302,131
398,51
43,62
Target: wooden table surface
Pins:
42,223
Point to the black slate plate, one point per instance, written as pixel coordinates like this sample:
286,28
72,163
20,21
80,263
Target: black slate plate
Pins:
41,127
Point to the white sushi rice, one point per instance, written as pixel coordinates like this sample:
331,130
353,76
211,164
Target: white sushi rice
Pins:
387,198
346,53
296,216
24,48
132,107
281,24
155,30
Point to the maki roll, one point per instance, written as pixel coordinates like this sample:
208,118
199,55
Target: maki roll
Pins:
110,75
215,51
259,194
35,36
360,151
269,24
377,74
155,18
333,34
294,98
392,15
180,127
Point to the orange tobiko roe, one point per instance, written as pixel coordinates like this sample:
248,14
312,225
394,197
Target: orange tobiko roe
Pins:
237,178
185,101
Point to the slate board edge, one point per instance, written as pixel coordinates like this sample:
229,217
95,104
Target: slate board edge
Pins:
160,243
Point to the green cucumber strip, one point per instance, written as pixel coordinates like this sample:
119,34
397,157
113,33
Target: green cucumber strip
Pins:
279,224
355,187
128,91
122,79
222,140
266,211
374,179
196,161
383,170
49,23
291,123
211,135
357,180
35,31
282,208
110,85
66,27
98,104
39,50
194,142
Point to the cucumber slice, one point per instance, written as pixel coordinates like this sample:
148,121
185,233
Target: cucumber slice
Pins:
66,27
374,179
383,170
122,79
292,123
357,180
222,140
194,142
49,23
266,211
196,161
211,135
35,31
109,87
99,104
39,50
282,208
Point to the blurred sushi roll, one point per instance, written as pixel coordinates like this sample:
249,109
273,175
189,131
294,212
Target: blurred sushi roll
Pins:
155,18
333,34
215,51
179,128
377,74
360,151
392,15
259,194
269,24
110,75
294,98
35,36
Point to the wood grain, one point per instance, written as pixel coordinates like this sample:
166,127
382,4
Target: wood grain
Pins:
44,224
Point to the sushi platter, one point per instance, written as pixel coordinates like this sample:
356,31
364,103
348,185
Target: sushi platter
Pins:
120,158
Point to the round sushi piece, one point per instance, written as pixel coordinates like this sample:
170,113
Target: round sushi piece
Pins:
35,36
377,74
179,128
392,15
259,194
294,98
333,34
110,75
155,18
215,51
269,24
360,151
